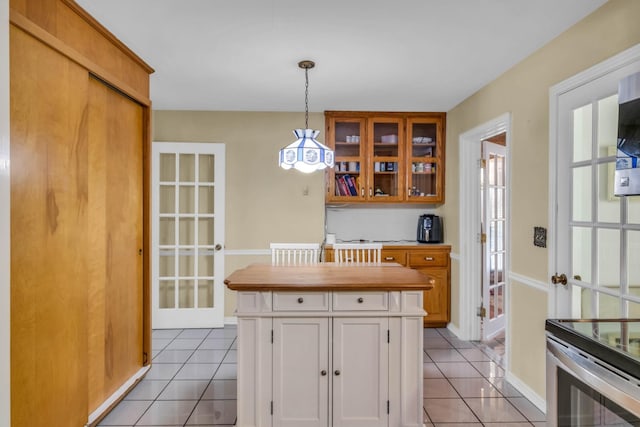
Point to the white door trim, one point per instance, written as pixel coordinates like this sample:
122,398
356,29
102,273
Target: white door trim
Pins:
615,63
470,265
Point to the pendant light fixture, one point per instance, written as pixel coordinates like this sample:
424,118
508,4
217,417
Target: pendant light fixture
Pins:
306,154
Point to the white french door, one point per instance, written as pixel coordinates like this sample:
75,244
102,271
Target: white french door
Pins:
597,235
494,200
187,235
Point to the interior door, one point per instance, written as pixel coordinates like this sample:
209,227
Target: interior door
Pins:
597,234
188,235
494,200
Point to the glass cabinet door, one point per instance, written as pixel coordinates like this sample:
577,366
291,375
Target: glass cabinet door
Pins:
386,166
348,136
425,161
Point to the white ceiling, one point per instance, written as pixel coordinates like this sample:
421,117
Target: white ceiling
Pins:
386,55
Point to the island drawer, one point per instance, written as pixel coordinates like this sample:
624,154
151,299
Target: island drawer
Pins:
361,301
300,301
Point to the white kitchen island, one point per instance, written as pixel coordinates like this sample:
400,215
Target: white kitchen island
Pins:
329,345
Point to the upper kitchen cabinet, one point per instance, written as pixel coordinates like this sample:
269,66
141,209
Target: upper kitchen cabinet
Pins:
386,157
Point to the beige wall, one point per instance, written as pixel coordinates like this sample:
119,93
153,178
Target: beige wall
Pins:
264,203
524,92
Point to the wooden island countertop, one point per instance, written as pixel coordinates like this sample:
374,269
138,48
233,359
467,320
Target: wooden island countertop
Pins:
328,276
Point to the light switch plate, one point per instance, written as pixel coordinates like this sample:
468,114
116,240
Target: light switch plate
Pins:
540,237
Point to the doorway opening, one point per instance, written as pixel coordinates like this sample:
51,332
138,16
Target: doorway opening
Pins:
474,262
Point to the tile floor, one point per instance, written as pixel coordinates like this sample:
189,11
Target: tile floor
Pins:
192,383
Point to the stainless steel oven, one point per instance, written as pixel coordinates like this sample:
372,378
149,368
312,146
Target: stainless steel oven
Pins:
592,379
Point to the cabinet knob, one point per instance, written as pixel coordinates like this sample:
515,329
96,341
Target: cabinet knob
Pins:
428,258
300,300
360,300
337,372
323,372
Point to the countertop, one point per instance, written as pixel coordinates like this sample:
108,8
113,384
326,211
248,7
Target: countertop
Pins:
328,276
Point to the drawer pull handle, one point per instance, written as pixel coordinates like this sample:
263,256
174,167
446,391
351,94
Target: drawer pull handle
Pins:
360,300
389,258
300,300
323,372
428,258
337,372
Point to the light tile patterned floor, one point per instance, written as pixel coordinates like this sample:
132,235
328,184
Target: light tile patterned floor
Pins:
193,383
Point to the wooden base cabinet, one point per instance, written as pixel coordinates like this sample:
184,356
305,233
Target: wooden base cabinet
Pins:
332,361
435,262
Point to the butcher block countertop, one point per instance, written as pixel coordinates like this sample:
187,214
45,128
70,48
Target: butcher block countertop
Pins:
328,276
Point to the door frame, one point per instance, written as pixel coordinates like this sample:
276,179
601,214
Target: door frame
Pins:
557,295
470,265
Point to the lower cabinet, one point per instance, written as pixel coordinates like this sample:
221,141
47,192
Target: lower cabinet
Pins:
309,368
432,260
336,359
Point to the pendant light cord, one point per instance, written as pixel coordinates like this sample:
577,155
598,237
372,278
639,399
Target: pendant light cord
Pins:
306,98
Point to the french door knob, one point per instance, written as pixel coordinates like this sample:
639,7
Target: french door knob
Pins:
562,279
218,247
323,372
337,372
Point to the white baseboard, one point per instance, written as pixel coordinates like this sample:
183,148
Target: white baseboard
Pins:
232,320
527,392
454,329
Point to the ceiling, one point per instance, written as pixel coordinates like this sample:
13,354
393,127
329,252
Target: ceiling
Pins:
385,55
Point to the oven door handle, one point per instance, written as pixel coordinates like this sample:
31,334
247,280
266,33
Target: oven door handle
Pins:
604,381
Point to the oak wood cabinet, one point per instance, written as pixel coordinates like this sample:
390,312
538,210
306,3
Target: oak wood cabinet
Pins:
385,157
433,260
80,127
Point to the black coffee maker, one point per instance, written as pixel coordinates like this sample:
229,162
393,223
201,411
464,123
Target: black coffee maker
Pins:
429,229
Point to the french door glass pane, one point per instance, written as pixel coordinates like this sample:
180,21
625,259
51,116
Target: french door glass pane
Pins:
167,266
582,133
608,257
167,167
205,199
582,193
186,265
608,204
607,125
205,293
205,265
205,231
608,307
186,294
186,231
187,199
633,266
187,167
167,293
167,199
206,170
167,234
633,211
634,307
581,253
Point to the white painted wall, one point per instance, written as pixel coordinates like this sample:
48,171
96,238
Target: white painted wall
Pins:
383,223
5,296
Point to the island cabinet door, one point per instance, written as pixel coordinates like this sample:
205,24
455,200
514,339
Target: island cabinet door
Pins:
301,372
360,372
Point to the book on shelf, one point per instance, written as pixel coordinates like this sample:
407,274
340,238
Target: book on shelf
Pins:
351,185
341,187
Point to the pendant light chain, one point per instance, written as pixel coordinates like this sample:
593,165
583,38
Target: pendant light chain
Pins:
306,98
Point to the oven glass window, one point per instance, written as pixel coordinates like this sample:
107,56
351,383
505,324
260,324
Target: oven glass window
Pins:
580,405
